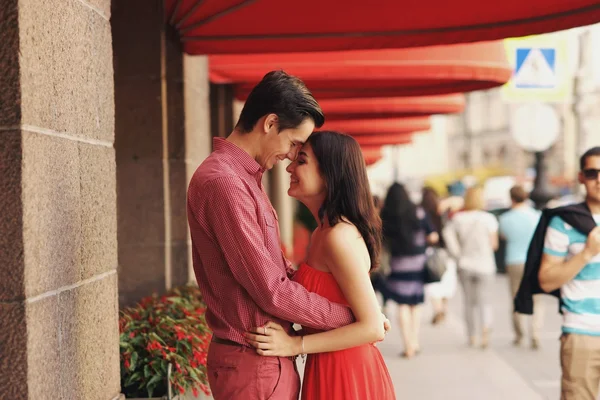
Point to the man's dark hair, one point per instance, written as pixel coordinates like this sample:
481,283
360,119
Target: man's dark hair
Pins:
593,152
518,194
284,95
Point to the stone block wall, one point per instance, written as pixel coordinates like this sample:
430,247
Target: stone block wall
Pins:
58,247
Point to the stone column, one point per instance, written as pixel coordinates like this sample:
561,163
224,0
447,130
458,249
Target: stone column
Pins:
238,105
197,124
161,110
221,110
58,249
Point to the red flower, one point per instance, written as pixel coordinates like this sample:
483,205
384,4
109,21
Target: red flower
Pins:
205,389
195,391
180,388
132,335
127,364
154,345
197,356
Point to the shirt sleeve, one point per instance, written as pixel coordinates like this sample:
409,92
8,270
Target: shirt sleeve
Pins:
234,222
426,223
451,239
502,222
289,267
556,242
492,223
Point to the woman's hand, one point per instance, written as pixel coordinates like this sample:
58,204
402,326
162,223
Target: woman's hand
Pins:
387,325
433,238
272,340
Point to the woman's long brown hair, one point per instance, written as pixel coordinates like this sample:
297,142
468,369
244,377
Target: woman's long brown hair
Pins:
343,168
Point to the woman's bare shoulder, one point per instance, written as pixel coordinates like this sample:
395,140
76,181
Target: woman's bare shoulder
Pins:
341,241
341,232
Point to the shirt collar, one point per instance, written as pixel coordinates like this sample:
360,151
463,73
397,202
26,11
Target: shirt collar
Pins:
240,157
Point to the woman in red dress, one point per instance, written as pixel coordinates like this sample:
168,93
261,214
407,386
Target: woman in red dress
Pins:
329,177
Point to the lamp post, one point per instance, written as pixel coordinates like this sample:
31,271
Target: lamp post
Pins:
541,193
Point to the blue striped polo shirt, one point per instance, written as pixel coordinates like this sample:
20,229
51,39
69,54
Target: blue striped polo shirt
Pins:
581,295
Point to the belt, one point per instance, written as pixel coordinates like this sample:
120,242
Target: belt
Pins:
228,342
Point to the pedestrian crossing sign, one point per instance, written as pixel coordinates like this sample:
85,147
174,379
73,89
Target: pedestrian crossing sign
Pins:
541,68
535,68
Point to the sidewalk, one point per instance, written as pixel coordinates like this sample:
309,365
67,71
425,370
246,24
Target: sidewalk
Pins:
448,369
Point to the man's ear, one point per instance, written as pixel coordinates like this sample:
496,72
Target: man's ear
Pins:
271,122
581,178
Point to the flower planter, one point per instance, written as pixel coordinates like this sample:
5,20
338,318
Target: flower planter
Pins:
186,396
148,398
164,344
190,396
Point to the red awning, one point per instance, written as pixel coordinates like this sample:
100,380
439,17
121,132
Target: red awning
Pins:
375,73
260,26
378,126
384,140
371,154
372,160
394,107
370,151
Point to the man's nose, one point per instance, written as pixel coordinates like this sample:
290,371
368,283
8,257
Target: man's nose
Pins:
292,154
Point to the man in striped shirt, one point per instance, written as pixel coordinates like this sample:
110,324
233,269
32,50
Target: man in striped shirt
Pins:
571,263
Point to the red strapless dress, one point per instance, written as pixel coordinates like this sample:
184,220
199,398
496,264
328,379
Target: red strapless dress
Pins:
358,373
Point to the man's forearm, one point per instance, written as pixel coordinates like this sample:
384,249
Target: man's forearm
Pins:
553,276
308,309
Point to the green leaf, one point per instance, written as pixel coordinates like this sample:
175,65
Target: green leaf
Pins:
134,360
193,373
147,371
156,379
163,366
157,338
133,378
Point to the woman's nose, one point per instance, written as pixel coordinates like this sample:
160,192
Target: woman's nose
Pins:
290,167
